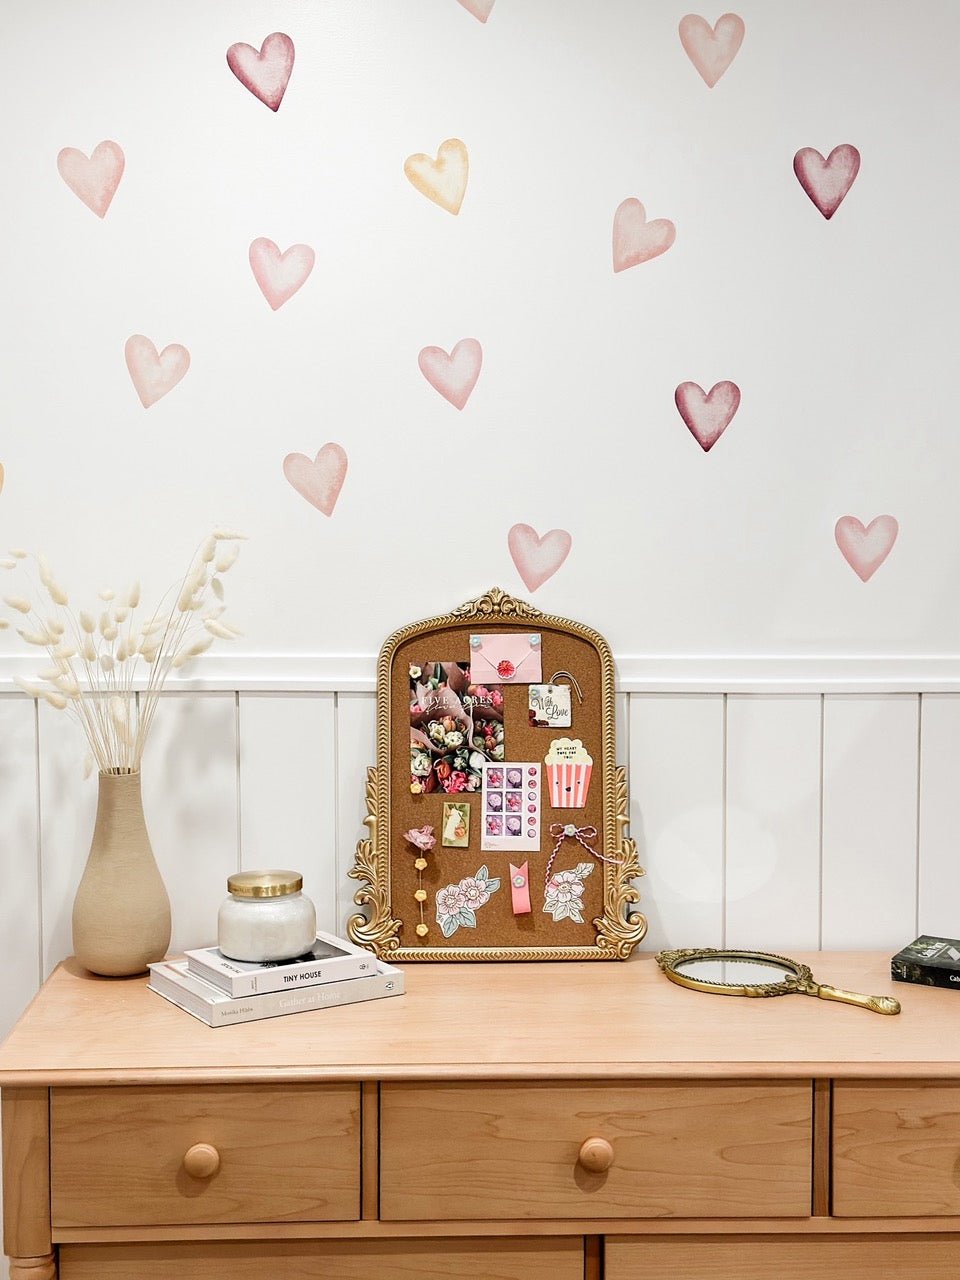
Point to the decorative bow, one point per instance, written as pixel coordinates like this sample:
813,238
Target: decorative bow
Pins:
567,830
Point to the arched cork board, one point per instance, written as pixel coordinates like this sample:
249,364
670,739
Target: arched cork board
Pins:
385,863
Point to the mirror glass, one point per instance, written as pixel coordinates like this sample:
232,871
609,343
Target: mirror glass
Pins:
746,973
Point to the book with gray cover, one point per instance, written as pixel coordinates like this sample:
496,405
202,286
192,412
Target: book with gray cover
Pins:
173,980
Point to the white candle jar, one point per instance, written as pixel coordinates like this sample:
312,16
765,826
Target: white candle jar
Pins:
266,917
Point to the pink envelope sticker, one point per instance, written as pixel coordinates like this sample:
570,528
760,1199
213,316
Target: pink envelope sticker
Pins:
505,658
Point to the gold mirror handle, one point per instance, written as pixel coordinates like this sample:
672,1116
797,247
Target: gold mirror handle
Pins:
876,1004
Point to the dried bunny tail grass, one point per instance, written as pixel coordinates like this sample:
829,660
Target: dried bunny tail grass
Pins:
121,613
198,647
153,626
55,699
18,553
40,638
87,622
28,686
220,630
89,649
107,662
4,625
57,593
227,560
64,651
52,674
107,593
110,634
226,535
120,715
18,602
149,654
55,626
208,550
133,596
68,685
216,586
8,564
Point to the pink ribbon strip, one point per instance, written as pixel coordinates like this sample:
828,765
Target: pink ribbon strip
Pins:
520,888
562,831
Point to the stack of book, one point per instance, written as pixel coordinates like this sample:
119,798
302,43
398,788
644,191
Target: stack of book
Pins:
220,991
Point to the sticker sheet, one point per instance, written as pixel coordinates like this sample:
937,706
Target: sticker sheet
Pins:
511,798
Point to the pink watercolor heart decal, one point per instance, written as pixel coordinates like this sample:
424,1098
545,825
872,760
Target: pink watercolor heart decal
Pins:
280,275
536,558
636,240
454,375
267,73
154,375
711,49
321,480
94,180
707,415
481,9
826,182
865,549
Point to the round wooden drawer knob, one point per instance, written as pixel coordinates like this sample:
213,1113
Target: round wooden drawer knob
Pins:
202,1160
596,1155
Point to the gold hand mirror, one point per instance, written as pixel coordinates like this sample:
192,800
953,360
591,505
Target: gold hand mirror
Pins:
757,973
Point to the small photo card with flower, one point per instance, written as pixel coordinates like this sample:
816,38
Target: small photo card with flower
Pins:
510,804
550,706
455,828
455,728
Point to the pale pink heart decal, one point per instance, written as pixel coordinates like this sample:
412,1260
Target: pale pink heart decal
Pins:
636,240
94,179
280,275
454,375
536,558
444,180
711,49
154,375
321,480
826,182
267,73
707,415
865,549
481,9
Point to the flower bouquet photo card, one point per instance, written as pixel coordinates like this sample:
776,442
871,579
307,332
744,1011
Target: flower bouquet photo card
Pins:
455,727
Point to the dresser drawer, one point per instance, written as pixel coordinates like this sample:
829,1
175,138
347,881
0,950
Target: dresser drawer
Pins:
806,1257
286,1153
714,1149
537,1259
896,1149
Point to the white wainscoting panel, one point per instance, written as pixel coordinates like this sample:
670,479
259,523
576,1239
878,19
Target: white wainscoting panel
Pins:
676,809
772,894
20,912
870,810
356,751
190,801
68,807
288,790
939,869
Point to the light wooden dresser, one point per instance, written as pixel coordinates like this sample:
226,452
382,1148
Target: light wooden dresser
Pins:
521,1122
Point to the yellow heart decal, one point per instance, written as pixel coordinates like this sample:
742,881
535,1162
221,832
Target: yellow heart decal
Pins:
444,180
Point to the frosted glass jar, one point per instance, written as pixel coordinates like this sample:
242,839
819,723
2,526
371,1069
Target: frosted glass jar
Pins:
266,917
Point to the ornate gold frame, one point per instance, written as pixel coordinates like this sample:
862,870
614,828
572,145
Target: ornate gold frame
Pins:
618,929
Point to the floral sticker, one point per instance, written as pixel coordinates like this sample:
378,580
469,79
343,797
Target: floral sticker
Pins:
564,895
455,727
458,904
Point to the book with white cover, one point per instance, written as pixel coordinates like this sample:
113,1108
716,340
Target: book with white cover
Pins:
173,980
331,959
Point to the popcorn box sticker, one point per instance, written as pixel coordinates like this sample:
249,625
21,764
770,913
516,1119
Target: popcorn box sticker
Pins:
569,768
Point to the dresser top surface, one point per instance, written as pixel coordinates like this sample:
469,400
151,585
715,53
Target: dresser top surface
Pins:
487,1021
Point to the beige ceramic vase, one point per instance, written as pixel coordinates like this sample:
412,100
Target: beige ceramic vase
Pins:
121,914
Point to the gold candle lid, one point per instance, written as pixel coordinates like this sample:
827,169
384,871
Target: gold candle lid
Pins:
264,884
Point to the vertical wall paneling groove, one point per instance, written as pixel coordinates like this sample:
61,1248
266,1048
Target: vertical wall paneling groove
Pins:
68,806
676,805
20,897
870,798
772,897
288,790
356,751
939,863
190,805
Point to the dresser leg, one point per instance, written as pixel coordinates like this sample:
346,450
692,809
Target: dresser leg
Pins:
44,1268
